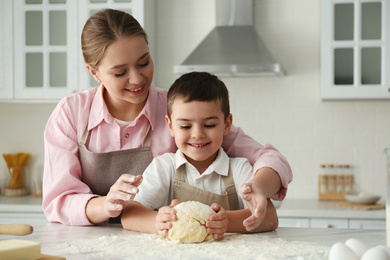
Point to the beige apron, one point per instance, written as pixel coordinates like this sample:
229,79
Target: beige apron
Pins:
101,170
184,192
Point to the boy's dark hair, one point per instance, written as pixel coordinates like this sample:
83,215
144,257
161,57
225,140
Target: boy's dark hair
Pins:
199,86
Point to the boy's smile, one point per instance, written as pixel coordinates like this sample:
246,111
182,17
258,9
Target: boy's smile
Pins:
198,128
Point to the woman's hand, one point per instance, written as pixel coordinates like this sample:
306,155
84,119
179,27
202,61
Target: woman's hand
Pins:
217,224
121,194
256,202
164,218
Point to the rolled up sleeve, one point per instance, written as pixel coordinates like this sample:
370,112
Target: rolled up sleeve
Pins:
238,144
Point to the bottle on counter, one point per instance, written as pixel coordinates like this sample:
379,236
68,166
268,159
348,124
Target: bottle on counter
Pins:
339,178
348,178
322,180
331,178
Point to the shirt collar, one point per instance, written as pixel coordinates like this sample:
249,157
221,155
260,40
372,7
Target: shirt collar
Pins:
220,165
99,110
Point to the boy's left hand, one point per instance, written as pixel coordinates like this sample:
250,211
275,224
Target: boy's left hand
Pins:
165,216
217,224
257,204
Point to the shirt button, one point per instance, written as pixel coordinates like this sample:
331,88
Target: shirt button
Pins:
197,181
127,135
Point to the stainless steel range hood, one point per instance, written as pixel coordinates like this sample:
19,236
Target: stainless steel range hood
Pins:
233,47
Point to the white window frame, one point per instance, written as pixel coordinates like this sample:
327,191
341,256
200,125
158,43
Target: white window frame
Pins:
356,90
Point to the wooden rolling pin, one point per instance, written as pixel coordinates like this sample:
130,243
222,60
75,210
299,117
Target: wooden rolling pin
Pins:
16,229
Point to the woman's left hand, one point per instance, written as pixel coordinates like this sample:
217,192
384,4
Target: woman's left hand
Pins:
256,202
121,194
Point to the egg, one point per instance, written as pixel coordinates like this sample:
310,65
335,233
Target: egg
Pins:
357,246
377,253
340,251
387,249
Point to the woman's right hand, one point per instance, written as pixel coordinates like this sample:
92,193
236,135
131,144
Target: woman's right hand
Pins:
121,194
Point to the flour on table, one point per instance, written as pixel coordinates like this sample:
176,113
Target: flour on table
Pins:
234,246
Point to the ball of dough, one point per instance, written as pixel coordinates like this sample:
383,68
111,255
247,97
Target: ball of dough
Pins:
190,224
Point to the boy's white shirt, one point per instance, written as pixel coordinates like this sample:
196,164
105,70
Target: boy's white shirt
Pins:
156,190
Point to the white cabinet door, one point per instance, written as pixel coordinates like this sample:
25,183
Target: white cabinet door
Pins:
294,222
328,223
367,224
355,49
45,49
6,51
40,52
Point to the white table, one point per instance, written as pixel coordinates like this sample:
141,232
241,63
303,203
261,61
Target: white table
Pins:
284,243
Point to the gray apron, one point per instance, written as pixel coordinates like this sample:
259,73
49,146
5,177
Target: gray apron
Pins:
101,170
185,192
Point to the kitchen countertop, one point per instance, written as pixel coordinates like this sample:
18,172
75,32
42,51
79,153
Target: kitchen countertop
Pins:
20,204
312,208
309,208
94,242
113,242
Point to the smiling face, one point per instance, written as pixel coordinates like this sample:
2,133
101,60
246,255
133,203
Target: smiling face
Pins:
126,71
198,128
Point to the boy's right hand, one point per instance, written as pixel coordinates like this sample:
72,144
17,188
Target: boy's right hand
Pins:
164,218
121,194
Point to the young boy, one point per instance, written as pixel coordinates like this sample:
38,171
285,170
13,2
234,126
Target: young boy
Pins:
198,118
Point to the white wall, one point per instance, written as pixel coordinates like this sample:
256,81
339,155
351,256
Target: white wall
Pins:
21,130
286,111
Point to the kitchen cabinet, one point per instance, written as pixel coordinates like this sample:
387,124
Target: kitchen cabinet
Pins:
355,49
294,222
312,213
328,223
21,209
332,223
40,54
367,224
23,218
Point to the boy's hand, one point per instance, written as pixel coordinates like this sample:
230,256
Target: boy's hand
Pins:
257,204
164,217
121,193
217,224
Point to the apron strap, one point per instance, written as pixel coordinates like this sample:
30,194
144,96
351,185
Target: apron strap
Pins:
146,142
230,189
85,135
229,180
180,173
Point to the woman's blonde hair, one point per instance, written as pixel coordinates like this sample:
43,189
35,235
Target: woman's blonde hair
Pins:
102,29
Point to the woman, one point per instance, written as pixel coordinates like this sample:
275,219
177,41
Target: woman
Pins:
98,141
